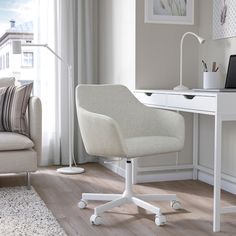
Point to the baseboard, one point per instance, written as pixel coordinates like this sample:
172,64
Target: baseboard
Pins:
113,167
171,176
225,185
164,176
153,177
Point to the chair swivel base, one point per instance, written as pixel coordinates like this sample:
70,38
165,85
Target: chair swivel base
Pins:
119,199
128,197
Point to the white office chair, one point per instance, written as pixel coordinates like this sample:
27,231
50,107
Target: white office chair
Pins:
113,123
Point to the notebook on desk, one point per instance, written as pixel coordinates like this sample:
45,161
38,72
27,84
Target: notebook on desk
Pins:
230,82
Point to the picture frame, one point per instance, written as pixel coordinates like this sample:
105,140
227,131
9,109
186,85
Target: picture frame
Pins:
169,11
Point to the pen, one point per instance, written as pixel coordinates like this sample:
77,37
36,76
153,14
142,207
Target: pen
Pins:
214,66
217,69
205,66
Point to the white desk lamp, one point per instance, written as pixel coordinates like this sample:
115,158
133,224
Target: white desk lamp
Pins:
16,49
201,41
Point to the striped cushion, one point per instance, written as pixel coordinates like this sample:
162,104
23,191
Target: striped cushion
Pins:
7,81
2,97
14,108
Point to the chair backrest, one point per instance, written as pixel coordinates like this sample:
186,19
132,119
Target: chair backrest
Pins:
117,102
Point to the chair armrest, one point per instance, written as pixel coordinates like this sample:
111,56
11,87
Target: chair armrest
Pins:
35,125
101,134
170,123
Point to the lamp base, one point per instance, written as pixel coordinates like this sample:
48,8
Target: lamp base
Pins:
70,170
180,88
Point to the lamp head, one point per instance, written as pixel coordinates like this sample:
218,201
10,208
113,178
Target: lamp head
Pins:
201,40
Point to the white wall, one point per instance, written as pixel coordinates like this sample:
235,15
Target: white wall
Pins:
158,66
117,42
158,51
219,51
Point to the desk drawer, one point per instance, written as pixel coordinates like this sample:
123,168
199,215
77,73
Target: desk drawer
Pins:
152,98
203,103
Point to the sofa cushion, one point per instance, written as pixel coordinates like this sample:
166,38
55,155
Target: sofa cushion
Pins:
14,141
6,82
14,108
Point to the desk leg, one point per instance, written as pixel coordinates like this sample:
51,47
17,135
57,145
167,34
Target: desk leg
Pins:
134,171
195,145
217,174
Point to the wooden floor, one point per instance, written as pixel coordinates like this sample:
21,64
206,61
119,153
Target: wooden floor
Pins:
61,194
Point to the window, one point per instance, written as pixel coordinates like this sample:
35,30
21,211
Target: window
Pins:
27,59
17,18
7,60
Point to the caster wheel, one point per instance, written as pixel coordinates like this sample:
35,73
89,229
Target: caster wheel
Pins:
160,220
176,205
82,204
95,220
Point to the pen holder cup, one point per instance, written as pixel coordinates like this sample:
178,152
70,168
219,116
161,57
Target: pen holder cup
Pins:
212,80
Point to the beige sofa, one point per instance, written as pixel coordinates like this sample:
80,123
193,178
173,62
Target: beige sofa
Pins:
19,153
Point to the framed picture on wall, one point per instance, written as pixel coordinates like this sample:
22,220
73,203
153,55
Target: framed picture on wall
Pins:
224,19
169,11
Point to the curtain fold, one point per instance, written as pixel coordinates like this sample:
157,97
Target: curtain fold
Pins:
70,28
46,83
86,60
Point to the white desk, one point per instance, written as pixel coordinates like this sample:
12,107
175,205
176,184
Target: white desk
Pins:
221,105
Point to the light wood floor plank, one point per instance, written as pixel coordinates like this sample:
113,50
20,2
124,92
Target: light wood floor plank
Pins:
61,194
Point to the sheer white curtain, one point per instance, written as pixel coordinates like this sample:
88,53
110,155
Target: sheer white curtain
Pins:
69,27
47,83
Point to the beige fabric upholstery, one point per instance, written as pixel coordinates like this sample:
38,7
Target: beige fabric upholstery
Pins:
25,152
18,161
14,108
104,134
151,145
13,141
114,123
35,125
8,81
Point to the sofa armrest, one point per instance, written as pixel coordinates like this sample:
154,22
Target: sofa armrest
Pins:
35,125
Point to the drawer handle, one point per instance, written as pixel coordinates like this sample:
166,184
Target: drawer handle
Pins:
189,96
148,94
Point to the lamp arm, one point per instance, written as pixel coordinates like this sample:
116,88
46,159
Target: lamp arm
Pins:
191,33
50,49
53,52
70,90
181,61
71,110
181,53
70,170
